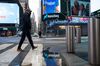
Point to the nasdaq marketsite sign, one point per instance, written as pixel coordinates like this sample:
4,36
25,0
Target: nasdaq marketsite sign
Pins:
70,21
54,16
58,22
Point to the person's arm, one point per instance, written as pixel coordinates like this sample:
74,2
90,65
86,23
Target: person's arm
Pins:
21,23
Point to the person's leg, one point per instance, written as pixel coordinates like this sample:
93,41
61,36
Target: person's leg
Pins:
30,40
22,40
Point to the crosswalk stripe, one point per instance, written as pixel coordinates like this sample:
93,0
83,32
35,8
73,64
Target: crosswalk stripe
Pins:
37,58
27,60
27,57
34,57
2,46
7,56
19,58
7,47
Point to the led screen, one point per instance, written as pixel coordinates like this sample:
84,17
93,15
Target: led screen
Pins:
95,5
79,20
80,7
9,13
70,21
50,6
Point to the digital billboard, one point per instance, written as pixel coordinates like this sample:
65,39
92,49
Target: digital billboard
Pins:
70,21
79,20
9,13
80,7
50,6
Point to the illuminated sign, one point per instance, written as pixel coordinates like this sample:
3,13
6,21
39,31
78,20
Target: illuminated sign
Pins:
72,21
79,20
50,6
54,16
9,13
80,7
51,16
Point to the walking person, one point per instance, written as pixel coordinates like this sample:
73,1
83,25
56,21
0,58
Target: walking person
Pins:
26,30
40,34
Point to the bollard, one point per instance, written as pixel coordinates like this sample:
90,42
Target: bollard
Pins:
78,34
94,41
70,34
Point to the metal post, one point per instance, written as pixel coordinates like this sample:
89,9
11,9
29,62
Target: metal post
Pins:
78,34
70,39
98,40
94,41
91,36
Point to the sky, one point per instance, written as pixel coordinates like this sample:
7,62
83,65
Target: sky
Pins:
95,5
35,6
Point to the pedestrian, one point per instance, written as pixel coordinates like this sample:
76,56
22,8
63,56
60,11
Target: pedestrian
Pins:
40,34
26,30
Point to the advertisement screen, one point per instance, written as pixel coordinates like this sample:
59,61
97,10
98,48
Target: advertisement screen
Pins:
64,7
70,21
79,20
95,5
80,7
9,13
50,6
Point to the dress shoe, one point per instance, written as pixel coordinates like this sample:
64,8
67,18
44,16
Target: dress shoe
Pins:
34,48
19,50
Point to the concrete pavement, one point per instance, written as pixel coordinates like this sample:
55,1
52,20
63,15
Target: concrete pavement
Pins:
56,44
80,57
10,57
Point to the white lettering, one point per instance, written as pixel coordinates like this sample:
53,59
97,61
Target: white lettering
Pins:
50,3
52,16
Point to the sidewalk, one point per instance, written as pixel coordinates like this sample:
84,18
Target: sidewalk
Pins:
80,57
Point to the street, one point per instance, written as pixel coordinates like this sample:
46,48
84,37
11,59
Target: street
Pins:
8,49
